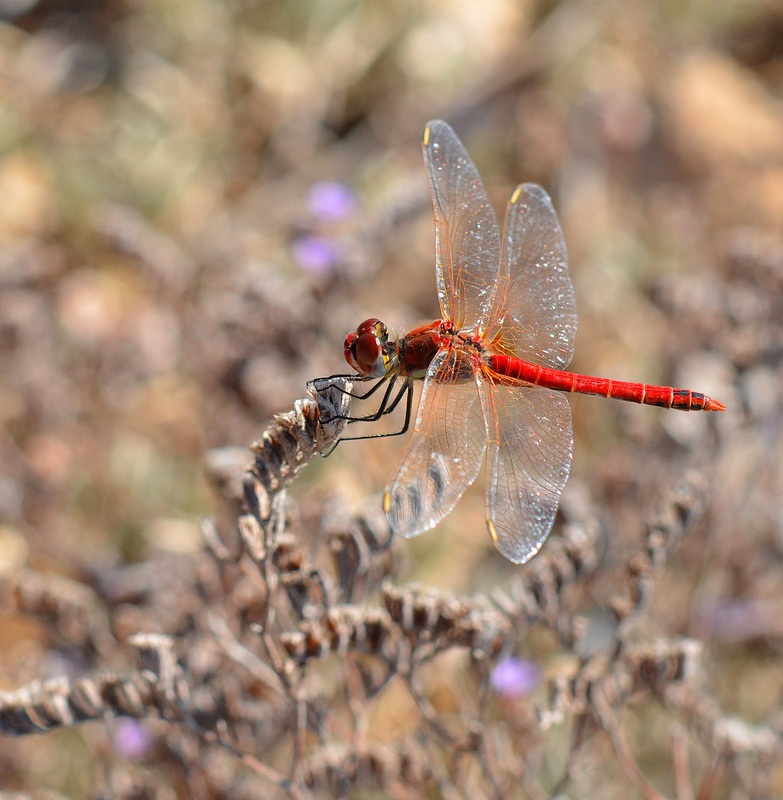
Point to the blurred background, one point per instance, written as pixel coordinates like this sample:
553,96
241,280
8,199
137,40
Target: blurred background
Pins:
199,199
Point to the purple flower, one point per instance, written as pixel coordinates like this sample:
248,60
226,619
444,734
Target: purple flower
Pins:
131,739
736,621
331,201
515,677
315,253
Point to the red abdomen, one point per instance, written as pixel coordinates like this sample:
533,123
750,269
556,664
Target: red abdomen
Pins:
509,369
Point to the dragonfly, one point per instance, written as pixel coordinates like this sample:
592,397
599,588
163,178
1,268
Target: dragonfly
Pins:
493,366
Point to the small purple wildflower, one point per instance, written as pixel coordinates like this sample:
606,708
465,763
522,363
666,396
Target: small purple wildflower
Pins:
515,677
736,621
331,201
132,740
316,254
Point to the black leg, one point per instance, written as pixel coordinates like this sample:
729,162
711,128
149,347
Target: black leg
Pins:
384,407
407,387
320,383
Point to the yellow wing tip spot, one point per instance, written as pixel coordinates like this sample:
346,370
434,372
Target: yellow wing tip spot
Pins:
426,138
387,501
492,531
515,194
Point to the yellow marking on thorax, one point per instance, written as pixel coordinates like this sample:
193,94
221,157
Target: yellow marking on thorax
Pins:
426,137
515,194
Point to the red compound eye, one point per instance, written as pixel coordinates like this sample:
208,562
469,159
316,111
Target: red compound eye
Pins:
367,349
364,350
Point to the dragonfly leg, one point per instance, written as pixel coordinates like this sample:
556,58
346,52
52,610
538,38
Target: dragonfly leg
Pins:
320,384
384,407
377,385
407,387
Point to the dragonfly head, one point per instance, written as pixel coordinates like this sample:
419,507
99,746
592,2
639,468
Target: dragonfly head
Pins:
367,350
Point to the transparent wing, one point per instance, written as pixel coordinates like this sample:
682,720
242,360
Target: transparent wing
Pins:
444,453
467,237
528,461
534,307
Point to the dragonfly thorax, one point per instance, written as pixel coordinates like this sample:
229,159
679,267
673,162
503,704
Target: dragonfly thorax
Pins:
367,350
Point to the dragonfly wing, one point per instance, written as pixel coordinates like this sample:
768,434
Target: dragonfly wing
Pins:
444,453
535,305
467,237
528,461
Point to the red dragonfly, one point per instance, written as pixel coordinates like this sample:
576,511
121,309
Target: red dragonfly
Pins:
492,365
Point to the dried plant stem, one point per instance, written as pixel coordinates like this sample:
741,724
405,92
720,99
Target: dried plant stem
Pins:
261,621
157,688
664,532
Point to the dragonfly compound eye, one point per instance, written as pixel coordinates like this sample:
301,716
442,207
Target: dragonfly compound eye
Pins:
365,350
368,349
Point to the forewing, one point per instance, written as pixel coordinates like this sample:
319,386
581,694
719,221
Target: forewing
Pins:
444,453
535,307
467,237
528,461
